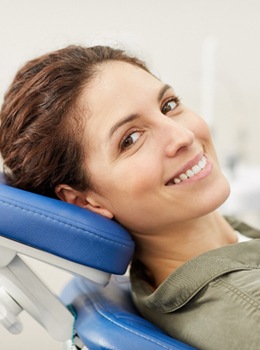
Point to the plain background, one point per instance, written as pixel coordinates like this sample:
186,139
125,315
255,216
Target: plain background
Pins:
183,42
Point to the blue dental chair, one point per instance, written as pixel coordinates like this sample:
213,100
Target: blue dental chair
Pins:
96,303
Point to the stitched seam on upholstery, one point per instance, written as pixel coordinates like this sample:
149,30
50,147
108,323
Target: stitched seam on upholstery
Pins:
65,224
239,293
98,306
131,331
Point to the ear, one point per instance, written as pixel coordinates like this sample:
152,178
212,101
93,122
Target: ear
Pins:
86,200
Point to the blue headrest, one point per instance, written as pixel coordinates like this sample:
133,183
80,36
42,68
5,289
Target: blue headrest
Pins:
64,230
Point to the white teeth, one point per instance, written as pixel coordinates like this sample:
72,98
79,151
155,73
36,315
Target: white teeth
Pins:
183,177
201,164
196,169
191,172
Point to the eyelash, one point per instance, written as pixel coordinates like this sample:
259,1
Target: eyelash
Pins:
122,144
174,99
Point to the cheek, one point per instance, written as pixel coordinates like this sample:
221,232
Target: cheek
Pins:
139,176
130,179
194,122
202,133
200,128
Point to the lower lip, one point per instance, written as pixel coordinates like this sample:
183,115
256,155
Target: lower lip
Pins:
201,175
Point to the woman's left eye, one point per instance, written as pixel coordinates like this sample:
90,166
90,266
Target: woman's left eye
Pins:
130,139
170,105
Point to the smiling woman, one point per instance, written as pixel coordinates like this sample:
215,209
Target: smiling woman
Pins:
93,127
138,126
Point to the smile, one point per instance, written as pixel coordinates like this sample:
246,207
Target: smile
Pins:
196,169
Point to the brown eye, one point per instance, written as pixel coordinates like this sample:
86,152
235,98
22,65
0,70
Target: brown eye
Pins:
130,139
170,105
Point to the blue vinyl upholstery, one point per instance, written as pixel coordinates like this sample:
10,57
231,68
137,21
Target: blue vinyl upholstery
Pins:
107,318
64,230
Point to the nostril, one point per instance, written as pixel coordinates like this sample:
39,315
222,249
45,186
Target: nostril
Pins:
175,148
182,148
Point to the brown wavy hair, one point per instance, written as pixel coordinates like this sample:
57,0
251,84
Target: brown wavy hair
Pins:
42,125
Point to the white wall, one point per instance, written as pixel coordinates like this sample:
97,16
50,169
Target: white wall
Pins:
170,35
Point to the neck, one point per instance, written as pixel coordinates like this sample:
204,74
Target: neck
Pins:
164,252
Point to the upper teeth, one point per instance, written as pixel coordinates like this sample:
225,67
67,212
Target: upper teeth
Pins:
191,172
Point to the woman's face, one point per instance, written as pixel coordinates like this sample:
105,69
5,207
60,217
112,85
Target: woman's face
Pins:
146,152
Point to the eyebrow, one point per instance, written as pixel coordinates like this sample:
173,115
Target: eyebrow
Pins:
122,122
162,91
135,116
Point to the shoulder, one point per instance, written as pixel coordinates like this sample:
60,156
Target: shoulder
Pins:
220,299
185,282
243,227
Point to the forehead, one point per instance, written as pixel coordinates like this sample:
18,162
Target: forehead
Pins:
118,85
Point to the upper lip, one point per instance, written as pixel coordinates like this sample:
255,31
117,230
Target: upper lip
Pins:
185,167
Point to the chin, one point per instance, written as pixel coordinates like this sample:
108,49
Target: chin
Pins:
219,194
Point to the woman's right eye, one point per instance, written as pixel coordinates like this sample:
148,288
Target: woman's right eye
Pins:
130,139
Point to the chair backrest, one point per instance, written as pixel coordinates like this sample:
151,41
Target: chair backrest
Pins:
63,230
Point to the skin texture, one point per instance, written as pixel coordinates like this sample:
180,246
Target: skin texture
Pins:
138,137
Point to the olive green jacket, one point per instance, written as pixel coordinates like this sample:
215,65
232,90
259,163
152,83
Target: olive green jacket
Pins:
212,302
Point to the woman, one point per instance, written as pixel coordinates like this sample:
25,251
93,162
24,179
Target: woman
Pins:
93,127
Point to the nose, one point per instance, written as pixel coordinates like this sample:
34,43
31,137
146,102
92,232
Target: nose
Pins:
176,138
